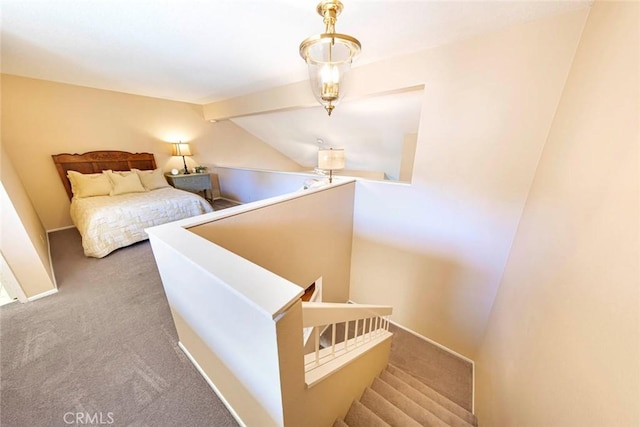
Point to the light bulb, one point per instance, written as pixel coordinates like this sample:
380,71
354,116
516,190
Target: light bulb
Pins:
330,82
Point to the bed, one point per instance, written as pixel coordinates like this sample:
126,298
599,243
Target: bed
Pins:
115,195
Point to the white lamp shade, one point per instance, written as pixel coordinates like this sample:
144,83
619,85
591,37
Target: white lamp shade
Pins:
331,159
181,149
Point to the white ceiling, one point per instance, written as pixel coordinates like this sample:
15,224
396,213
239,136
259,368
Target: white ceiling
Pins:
370,130
205,50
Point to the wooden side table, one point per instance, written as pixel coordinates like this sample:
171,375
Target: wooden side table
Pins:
195,183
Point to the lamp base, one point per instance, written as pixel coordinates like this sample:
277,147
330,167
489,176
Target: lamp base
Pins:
186,171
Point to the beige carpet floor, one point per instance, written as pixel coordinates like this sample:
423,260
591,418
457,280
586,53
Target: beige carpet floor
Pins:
441,370
105,346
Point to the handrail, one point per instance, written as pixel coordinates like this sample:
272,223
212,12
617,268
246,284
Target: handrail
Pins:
370,327
325,313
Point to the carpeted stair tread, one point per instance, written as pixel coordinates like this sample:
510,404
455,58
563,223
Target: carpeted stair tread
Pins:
340,423
386,410
428,392
361,416
430,405
421,415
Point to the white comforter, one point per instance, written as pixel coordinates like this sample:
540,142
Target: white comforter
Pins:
107,223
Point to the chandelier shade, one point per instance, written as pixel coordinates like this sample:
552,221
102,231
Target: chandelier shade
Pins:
329,56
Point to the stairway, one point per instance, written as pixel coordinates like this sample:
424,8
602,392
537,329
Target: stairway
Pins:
397,399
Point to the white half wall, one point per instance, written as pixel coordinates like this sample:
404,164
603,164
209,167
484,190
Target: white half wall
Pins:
250,185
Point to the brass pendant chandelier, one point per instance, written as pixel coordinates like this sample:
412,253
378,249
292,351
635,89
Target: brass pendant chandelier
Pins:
329,56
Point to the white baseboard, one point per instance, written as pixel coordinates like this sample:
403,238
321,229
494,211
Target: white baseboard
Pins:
227,199
53,273
234,414
60,228
430,341
42,295
55,281
448,350
422,337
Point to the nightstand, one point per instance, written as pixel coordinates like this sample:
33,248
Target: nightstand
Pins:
195,183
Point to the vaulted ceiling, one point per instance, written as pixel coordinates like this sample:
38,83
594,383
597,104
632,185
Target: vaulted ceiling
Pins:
206,50
202,51
370,130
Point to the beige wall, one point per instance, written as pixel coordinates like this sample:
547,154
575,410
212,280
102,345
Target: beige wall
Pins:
41,118
442,241
435,249
300,239
409,143
23,239
562,345
232,146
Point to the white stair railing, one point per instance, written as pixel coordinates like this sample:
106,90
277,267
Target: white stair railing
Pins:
355,328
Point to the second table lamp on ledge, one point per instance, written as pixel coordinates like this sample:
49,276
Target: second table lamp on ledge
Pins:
182,149
331,159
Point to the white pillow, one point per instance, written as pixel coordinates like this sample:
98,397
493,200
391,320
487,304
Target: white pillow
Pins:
152,179
89,184
124,182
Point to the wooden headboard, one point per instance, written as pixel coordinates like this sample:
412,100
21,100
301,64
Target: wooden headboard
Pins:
97,161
